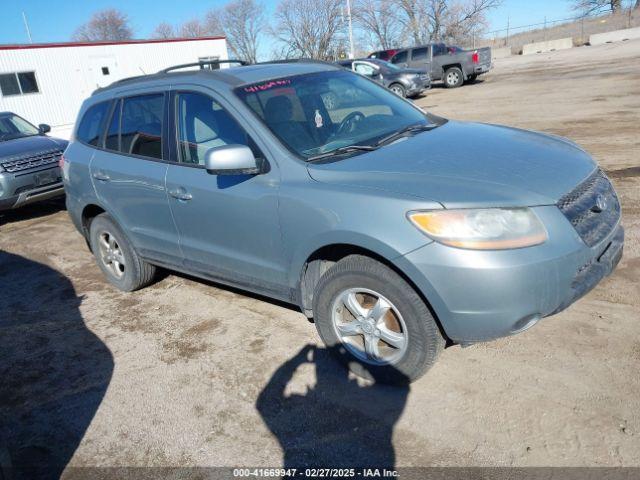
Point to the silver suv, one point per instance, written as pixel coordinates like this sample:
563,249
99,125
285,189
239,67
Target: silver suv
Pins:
396,231
28,162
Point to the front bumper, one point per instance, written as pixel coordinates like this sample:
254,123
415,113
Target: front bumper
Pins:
21,189
483,295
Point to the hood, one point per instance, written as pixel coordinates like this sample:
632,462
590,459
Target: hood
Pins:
462,165
25,145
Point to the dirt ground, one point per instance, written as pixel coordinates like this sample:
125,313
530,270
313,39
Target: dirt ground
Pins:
188,373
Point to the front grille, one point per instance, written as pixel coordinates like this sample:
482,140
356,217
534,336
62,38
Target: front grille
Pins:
592,208
29,161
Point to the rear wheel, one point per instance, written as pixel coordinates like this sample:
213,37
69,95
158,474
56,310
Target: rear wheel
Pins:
398,89
116,257
375,322
453,77
472,78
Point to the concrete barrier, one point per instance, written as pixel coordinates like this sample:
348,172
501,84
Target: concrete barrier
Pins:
615,36
500,52
548,46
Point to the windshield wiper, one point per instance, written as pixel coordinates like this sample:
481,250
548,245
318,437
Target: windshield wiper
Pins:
342,150
415,128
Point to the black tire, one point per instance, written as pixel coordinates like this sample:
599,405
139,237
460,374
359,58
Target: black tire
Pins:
424,340
472,78
398,89
136,272
453,77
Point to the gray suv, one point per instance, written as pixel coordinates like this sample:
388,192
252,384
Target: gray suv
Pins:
396,231
28,162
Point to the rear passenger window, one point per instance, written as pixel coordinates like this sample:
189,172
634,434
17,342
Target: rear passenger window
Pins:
90,128
141,125
419,54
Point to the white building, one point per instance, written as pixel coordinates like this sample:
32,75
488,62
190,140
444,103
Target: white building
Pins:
46,83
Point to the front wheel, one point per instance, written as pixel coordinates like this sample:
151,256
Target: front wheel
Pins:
453,77
375,322
398,89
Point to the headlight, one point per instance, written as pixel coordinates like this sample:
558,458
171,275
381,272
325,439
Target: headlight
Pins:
482,229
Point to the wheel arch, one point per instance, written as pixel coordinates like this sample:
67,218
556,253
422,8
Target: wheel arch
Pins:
89,212
450,65
322,258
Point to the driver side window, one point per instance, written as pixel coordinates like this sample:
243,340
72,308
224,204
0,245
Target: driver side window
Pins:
364,69
203,124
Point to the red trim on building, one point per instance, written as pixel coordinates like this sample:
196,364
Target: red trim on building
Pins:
28,46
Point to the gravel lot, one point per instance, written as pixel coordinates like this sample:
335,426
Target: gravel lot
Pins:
188,373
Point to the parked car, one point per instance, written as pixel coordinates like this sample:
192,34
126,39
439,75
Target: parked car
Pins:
406,82
450,64
28,162
395,230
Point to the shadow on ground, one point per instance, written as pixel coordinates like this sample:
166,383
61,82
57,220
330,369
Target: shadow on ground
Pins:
337,423
54,372
32,211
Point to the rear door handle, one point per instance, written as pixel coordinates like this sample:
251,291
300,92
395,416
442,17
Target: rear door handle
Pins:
180,194
103,177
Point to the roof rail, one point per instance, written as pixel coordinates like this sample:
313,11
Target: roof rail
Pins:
201,64
296,60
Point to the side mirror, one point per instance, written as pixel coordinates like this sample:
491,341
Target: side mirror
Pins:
44,128
231,160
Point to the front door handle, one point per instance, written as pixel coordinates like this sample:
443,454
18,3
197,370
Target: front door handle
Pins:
180,194
103,177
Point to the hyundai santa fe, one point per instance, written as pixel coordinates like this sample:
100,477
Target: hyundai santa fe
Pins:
398,232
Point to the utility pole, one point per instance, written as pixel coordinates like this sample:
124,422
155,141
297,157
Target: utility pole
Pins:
351,53
545,28
506,42
26,26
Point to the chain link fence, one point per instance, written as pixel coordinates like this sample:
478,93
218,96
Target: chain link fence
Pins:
579,29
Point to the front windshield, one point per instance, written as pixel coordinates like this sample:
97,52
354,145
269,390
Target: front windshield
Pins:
321,112
12,126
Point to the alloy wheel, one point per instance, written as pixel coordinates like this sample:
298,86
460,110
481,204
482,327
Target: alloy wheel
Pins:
369,326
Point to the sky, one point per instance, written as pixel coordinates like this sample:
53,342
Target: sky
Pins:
52,21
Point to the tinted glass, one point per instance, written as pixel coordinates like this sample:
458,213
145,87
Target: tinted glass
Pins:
141,125
9,84
399,57
28,82
112,139
419,54
204,124
319,112
439,49
90,127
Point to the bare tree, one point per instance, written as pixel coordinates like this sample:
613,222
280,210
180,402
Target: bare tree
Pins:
242,21
379,22
213,23
105,25
439,20
193,29
311,28
590,7
164,30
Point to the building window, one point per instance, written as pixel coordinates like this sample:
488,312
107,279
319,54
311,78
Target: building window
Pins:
105,70
19,83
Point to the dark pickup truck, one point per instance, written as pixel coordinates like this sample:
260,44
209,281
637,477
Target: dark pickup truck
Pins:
452,65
